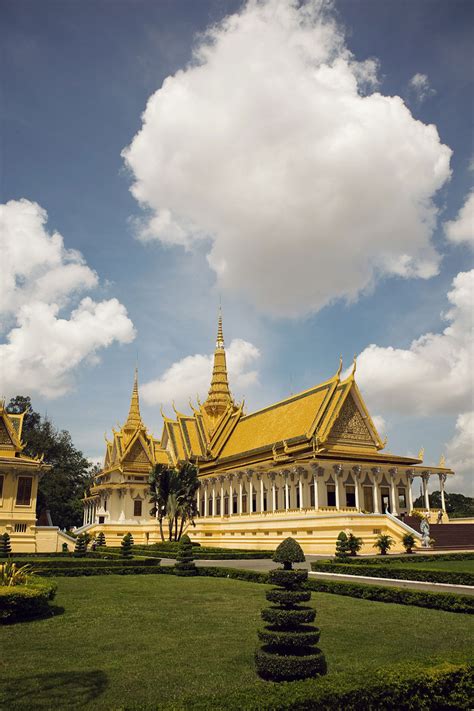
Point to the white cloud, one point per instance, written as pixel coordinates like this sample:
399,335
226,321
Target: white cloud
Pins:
435,375
460,450
419,84
308,187
462,228
191,376
380,424
42,349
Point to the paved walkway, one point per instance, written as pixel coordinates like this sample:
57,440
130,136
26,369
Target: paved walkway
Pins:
265,564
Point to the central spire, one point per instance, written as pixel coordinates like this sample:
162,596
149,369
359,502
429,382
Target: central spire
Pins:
219,397
134,418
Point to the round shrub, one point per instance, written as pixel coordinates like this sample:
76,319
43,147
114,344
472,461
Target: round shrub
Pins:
185,561
126,546
26,602
289,650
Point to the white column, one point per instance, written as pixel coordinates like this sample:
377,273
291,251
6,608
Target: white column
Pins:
425,478
376,491
337,472
261,493
222,495
393,493
198,500
250,506
409,491
206,501
213,498
442,480
273,494
316,492
231,496
287,493
300,487
357,470
240,495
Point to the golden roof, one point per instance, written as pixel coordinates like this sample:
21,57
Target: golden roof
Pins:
219,397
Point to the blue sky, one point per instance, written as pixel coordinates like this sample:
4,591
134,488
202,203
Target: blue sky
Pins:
76,78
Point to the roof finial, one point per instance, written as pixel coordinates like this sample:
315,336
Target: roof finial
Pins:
220,333
354,364
219,397
340,367
134,418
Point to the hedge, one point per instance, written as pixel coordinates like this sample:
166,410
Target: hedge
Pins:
308,663
406,558
25,602
448,687
278,617
167,550
379,571
86,562
288,597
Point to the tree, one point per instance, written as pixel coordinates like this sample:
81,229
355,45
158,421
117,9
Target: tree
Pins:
384,542
126,546
342,546
5,545
100,540
354,544
81,546
173,497
408,541
185,562
457,505
62,488
289,649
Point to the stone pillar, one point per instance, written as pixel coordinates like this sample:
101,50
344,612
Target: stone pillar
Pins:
393,492
240,493
425,478
221,479
376,489
262,493
272,478
213,498
287,492
231,495
337,474
250,494
206,501
410,493
300,487
357,470
315,486
442,481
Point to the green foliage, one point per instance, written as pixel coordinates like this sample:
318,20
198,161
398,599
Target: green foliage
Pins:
288,552
457,505
169,549
288,651
24,602
173,497
185,561
408,541
391,571
354,544
342,546
80,549
5,545
126,546
62,489
100,540
65,548
384,542
11,574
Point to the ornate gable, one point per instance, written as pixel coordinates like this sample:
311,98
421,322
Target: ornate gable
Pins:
6,440
137,454
350,428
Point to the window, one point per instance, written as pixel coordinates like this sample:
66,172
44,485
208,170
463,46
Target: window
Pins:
23,493
402,498
1,486
137,507
331,489
350,496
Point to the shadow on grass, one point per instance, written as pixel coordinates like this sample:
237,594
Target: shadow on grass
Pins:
69,690
51,611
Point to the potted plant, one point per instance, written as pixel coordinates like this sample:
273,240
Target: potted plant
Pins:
384,542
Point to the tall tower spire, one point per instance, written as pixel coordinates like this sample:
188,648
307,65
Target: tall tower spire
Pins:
134,418
219,397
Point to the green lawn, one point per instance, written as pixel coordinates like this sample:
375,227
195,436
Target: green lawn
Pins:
157,641
457,566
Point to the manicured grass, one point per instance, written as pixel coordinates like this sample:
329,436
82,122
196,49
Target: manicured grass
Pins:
457,566
163,642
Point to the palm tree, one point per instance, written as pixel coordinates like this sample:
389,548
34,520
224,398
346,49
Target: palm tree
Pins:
189,484
160,481
172,493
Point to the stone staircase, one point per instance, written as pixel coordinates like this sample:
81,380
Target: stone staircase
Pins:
447,536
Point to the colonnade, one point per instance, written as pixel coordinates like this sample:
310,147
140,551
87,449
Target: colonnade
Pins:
334,487
90,511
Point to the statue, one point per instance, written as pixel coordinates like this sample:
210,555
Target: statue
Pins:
425,532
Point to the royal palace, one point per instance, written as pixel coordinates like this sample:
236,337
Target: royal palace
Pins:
308,466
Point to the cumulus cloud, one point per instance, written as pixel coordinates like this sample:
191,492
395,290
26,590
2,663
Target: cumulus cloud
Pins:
42,348
420,86
273,145
191,376
435,375
461,230
460,449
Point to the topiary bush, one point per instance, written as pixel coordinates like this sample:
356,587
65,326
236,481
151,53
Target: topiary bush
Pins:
342,546
100,540
185,562
126,546
354,544
80,549
289,639
5,546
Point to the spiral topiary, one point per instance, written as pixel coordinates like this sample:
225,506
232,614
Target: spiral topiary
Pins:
289,639
184,560
5,546
126,546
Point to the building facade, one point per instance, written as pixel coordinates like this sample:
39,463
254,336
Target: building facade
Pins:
19,478
308,466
